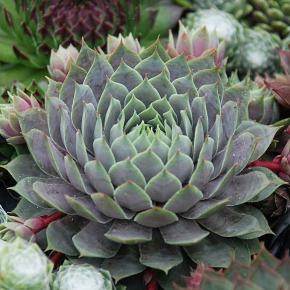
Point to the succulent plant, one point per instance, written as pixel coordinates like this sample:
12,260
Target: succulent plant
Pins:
239,8
257,52
264,273
60,62
263,107
140,156
226,27
9,118
273,15
23,266
82,277
196,44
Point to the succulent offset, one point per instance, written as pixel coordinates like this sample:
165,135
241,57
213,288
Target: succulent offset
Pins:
60,61
264,273
9,123
82,277
23,266
226,27
196,44
145,154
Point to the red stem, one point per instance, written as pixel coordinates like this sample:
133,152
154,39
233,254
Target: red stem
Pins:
56,259
275,167
46,220
152,285
150,280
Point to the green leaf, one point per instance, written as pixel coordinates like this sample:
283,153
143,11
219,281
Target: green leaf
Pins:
178,67
162,84
205,208
125,170
76,176
85,207
76,75
151,66
128,232
163,186
144,92
101,247
155,217
274,183
124,264
157,255
98,177
148,163
229,222
103,153
123,54
245,187
96,77
108,206
212,251
86,56
83,95
53,191
23,166
122,148
184,199
24,188
36,142
127,76
59,234
183,233
132,196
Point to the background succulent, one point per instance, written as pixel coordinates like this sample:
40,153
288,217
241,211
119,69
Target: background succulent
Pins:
264,273
280,85
272,15
247,50
239,8
263,107
73,277
257,52
30,29
24,266
153,171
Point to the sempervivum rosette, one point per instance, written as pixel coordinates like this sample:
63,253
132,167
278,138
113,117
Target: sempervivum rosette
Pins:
145,155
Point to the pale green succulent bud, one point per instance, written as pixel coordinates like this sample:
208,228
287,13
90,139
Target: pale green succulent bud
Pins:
82,277
23,266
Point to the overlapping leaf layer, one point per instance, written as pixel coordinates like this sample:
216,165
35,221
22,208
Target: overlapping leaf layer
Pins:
147,155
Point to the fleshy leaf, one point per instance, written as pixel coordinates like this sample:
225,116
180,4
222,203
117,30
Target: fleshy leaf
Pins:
101,247
155,217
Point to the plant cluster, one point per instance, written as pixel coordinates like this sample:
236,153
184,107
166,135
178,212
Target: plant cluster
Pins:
146,155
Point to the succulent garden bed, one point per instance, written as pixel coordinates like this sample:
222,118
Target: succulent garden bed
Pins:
141,151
